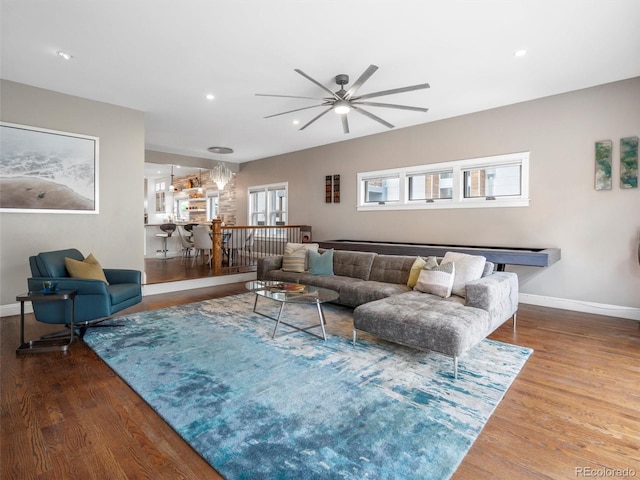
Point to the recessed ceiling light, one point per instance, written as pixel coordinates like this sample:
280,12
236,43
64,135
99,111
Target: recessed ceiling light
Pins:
296,122
210,96
520,53
65,55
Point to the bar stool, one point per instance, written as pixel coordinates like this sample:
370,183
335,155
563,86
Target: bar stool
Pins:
167,231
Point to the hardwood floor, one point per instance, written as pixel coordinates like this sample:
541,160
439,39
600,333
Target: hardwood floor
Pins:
175,269
574,410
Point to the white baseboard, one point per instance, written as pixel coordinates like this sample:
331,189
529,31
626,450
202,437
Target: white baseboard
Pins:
580,306
168,287
14,309
154,289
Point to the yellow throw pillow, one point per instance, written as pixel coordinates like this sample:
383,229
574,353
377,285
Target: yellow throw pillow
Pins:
418,264
89,268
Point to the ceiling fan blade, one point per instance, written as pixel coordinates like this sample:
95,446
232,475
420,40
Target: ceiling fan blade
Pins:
345,123
394,90
363,78
316,118
372,116
333,95
391,105
296,110
286,96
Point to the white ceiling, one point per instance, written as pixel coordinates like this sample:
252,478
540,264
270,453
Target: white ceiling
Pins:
158,170
162,57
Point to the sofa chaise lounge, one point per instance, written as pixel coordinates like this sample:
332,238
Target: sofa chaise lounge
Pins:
386,305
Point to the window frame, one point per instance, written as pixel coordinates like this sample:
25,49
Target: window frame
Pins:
270,214
410,175
212,204
392,176
179,202
161,196
458,199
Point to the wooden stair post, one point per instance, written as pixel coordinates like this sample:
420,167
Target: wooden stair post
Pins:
216,251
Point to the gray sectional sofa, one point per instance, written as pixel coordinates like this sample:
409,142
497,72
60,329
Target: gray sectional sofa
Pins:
376,287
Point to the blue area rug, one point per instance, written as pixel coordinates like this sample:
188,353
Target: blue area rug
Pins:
299,407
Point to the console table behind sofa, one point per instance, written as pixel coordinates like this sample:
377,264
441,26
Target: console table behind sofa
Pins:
501,256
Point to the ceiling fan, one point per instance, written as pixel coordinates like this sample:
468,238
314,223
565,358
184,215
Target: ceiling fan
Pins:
343,101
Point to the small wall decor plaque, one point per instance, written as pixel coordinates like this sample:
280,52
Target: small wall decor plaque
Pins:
332,188
629,162
603,165
328,193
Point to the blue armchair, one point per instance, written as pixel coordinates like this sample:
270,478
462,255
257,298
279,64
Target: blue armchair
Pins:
94,300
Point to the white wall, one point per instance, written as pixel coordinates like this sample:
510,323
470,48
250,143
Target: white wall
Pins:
598,231
115,235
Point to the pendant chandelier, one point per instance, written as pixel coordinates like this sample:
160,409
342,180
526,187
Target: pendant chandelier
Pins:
172,187
221,174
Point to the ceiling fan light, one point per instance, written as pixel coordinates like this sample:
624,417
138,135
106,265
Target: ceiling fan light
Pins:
341,108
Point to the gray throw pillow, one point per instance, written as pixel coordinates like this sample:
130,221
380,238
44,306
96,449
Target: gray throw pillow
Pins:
437,280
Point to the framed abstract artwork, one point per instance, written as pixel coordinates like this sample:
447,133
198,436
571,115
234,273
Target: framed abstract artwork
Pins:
603,165
47,171
629,162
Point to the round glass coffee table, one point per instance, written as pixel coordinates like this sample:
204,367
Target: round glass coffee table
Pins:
284,293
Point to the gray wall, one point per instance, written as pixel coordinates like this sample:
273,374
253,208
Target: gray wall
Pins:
115,235
597,231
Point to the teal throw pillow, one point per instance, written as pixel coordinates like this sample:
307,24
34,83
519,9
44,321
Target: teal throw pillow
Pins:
321,263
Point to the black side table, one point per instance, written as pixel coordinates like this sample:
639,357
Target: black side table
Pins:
59,344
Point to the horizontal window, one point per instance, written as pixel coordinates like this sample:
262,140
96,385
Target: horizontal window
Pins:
430,186
382,189
498,181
